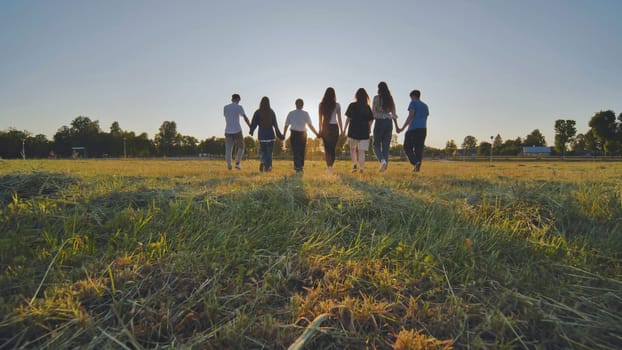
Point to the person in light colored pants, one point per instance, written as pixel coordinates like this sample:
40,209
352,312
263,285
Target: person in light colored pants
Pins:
233,131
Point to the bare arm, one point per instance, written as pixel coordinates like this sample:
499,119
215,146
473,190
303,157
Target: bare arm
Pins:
347,125
341,128
319,113
411,115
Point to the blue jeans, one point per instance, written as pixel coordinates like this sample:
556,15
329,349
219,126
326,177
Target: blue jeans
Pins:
265,153
383,132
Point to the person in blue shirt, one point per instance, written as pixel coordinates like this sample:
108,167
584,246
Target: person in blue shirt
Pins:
265,119
414,140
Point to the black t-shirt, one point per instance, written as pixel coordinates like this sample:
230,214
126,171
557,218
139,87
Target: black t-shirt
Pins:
360,115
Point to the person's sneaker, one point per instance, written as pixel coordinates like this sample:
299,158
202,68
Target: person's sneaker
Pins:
383,166
237,166
417,167
261,167
330,169
229,167
361,170
354,169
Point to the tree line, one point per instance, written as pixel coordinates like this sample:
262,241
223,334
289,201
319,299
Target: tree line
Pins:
84,137
604,137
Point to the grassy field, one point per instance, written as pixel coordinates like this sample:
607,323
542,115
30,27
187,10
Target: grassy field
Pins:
164,254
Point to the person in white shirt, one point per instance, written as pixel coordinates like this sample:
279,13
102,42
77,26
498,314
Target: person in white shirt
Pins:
233,131
299,119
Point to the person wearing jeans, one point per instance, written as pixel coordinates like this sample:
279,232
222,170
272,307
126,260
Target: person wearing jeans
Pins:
414,141
298,119
233,131
265,119
383,108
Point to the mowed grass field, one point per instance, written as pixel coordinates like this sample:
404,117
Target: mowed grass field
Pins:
184,254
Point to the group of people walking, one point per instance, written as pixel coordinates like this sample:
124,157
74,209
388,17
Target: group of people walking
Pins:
359,118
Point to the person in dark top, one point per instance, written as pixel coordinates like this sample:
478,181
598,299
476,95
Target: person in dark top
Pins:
358,123
265,119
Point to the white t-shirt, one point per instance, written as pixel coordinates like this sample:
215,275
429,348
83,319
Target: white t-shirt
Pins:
233,112
333,115
298,119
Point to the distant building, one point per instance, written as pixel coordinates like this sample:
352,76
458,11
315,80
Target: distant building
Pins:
469,152
536,151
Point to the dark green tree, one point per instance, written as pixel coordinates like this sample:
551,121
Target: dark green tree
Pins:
167,139
603,125
535,139
469,143
565,130
450,148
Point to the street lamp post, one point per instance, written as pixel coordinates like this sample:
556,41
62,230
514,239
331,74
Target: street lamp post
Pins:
24,149
124,148
491,146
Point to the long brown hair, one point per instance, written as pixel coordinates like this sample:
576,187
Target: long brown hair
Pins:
265,112
361,96
386,100
328,104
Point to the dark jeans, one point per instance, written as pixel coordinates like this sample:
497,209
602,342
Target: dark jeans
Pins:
299,144
413,145
330,136
383,132
265,153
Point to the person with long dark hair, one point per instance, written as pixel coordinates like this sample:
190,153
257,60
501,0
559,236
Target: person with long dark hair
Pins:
383,108
265,119
330,125
358,124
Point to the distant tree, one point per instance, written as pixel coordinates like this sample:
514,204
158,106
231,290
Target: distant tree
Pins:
188,145
450,148
167,139
497,144
11,143
469,143
250,146
86,133
603,125
578,145
613,147
484,148
278,148
38,146
592,143
115,130
511,147
212,145
535,139
565,130
63,141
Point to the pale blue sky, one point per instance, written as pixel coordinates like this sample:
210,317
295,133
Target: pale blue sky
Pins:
484,67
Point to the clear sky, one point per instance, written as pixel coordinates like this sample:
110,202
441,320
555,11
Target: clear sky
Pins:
484,67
